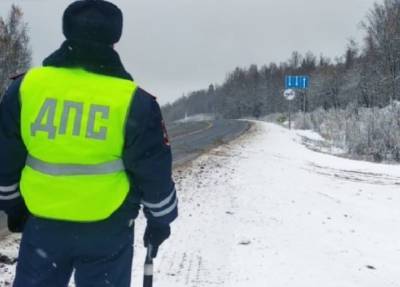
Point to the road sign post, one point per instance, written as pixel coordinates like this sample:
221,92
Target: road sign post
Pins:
290,95
304,107
290,116
293,83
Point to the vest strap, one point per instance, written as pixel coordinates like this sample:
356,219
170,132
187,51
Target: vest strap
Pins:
74,169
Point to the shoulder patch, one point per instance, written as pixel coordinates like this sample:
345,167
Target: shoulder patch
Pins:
17,76
148,94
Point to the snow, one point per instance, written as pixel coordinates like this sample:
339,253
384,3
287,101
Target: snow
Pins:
309,134
265,210
197,118
309,219
316,142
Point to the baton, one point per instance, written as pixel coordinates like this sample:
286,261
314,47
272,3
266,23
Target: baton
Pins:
148,268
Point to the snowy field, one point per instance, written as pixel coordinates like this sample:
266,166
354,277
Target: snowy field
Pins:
266,211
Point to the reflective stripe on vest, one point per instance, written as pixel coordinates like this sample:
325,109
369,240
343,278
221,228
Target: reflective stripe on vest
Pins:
74,169
73,126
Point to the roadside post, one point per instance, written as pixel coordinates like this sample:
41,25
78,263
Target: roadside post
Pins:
293,83
290,95
148,268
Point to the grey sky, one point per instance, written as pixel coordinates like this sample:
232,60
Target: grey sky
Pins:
175,46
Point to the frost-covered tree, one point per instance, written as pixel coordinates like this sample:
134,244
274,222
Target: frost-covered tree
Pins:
351,54
383,37
15,53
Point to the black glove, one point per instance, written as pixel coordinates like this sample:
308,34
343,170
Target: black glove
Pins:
155,235
17,218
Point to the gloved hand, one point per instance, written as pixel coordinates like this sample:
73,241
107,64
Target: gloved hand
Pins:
155,235
17,218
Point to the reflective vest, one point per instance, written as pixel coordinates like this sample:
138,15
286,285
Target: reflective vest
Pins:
73,125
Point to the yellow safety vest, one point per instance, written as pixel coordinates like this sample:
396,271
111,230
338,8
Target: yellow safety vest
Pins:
73,125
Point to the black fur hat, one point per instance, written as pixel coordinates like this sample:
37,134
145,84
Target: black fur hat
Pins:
93,21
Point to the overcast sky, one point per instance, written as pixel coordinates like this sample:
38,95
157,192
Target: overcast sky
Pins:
174,46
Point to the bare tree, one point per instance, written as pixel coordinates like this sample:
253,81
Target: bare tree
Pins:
383,35
15,52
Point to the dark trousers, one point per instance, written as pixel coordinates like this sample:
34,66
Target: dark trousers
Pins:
99,254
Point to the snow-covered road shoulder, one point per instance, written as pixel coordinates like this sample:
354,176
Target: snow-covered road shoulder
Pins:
266,211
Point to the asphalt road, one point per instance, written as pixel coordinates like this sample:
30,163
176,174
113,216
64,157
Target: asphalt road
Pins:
189,140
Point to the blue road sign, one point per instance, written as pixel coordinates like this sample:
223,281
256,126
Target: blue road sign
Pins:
297,82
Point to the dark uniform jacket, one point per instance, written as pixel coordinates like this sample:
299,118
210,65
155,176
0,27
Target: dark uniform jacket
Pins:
147,153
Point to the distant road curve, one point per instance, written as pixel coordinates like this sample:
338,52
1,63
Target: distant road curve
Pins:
191,139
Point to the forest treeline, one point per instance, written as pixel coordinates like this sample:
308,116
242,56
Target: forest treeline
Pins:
353,100
366,75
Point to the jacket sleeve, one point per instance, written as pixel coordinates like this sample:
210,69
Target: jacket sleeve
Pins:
12,156
148,160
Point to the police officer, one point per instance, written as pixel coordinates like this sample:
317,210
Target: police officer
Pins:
82,147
